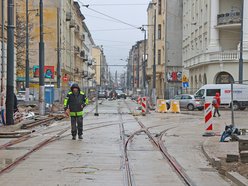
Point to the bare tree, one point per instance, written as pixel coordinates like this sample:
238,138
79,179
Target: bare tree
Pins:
21,41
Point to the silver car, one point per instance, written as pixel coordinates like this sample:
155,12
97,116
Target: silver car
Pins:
187,101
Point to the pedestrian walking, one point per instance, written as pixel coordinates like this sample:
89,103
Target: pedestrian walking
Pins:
74,104
216,103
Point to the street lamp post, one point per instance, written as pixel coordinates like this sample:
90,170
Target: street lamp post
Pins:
10,65
154,61
241,44
27,79
27,54
41,64
3,57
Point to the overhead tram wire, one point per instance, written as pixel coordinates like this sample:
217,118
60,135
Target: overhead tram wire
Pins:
111,20
118,4
123,22
114,29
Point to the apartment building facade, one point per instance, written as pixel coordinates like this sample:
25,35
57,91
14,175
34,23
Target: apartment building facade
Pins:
164,47
3,50
101,67
135,73
68,42
211,40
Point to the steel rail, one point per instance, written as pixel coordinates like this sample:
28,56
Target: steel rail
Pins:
160,145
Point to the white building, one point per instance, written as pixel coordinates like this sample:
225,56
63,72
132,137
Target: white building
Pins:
211,40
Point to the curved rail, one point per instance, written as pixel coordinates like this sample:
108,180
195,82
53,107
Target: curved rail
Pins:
160,145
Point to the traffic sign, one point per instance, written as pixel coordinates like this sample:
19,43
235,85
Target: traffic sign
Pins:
185,84
185,79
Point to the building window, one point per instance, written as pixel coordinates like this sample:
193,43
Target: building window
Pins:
159,57
159,7
224,78
159,31
205,79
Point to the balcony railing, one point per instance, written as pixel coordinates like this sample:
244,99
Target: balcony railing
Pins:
229,18
225,56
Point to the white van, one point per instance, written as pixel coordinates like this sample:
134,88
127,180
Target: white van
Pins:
240,94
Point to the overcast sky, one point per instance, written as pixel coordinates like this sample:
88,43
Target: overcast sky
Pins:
116,43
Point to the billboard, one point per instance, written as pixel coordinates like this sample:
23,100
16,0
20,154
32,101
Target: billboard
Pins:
48,71
174,76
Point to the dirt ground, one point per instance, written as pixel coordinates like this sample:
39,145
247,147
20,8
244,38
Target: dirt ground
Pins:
241,168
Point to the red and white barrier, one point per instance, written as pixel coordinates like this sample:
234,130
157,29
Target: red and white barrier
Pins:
208,119
144,106
139,100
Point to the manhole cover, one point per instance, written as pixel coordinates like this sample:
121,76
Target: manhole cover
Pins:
81,170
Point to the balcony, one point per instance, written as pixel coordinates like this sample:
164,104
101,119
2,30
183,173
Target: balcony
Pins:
230,19
68,16
85,74
76,49
82,37
213,57
90,76
77,29
72,24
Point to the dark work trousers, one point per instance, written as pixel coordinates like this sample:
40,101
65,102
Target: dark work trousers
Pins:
216,110
76,125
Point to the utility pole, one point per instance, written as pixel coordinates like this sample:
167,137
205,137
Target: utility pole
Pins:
3,57
27,54
10,65
138,64
241,45
41,64
144,63
154,61
58,53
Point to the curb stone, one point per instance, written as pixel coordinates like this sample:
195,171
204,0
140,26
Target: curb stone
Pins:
235,177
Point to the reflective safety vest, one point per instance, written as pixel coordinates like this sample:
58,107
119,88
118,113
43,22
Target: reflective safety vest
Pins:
75,102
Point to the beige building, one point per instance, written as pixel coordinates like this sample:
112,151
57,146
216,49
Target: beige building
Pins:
101,66
135,74
165,44
156,19
89,67
211,40
3,59
67,41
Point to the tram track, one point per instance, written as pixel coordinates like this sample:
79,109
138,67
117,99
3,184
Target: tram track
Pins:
37,147
159,144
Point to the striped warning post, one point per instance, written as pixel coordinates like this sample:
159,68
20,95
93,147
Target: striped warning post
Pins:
139,100
208,119
144,106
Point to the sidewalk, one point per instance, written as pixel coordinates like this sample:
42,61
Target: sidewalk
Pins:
216,152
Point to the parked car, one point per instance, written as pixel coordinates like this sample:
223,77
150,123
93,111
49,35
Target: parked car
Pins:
112,94
120,94
186,101
21,96
102,94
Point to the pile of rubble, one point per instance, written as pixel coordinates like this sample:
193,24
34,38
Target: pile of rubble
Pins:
243,149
